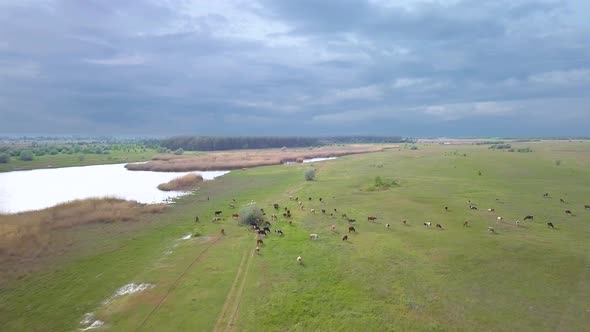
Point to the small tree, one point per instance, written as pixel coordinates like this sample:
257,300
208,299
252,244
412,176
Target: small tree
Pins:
26,155
310,174
251,214
179,151
4,158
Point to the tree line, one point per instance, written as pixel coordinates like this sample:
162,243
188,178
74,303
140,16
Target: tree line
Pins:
211,143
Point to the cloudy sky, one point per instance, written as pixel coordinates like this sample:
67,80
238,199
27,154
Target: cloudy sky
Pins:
300,67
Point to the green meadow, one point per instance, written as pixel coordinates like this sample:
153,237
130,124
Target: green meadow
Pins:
525,277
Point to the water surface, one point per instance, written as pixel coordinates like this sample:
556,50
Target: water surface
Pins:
42,188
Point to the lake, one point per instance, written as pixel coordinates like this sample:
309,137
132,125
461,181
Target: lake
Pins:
42,188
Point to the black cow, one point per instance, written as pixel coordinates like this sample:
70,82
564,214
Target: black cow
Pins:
561,200
439,226
351,229
218,212
568,212
278,231
335,210
261,232
351,220
266,229
446,208
528,217
587,206
320,199
276,206
345,237
546,195
323,211
196,218
309,198
550,224
472,207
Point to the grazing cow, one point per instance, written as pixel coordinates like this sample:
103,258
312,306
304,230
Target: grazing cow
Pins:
335,210
561,200
285,214
344,216
215,219
309,198
257,250
300,203
259,241
466,224
499,219
331,214
313,236
323,211
222,231
439,226
446,208
267,223
371,218
261,232
196,218
235,215
218,212
302,208
428,224
299,260
266,229
276,206
320,199
286,208
550,224
491,229
297,198
280,232
289,214
386,225
345,237
273,217
312,210
587,206
262,210
568,212
290,222
405,222
529,217
491,210
291,197
472,207
351,220
351,229
333,228
517,223
546,195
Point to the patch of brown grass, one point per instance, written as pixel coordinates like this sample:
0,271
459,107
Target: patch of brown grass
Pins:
186,182
28,235
227,160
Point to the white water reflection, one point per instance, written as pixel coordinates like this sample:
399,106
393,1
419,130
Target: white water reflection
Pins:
43,188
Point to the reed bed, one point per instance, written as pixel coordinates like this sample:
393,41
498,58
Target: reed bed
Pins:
243,159
182,183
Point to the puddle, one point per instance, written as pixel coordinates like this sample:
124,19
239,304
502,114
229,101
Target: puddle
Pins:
89,322
129,289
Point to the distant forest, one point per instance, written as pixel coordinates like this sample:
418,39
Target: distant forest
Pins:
209,143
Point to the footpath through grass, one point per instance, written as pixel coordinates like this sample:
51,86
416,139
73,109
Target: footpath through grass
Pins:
520,278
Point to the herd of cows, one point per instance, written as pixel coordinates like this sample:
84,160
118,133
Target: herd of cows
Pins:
261,227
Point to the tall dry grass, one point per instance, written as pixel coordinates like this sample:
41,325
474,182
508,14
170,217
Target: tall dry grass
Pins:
186,182
28,235
243,159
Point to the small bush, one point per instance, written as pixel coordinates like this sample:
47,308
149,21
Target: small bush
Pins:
557,162
414,147
162,150
26,155
310,174
380,184
81,157
251,214
4,158
525,150
179,151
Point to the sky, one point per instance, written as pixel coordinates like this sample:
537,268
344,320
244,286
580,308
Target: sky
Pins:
416,68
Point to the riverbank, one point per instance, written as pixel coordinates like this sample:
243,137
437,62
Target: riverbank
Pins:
247,158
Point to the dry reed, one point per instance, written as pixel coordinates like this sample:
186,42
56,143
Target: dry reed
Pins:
183,183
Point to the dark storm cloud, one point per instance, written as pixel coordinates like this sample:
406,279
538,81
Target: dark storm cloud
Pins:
423,67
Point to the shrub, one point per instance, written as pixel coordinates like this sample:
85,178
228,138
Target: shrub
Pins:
53,151
414,147
179,151
4,158
524,150
557,162
81,157
380,184
26,155
310,174
162,150
251,214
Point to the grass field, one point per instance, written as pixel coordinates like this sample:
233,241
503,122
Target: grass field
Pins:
405,278
69,160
